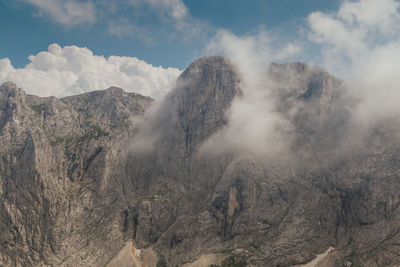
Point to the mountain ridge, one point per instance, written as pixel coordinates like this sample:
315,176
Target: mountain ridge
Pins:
75,188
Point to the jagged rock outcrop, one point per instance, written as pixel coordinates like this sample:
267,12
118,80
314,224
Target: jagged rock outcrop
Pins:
110,178
57,156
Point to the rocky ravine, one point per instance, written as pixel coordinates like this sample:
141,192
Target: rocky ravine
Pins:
94,180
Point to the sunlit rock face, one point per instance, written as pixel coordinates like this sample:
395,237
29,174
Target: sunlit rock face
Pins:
109,178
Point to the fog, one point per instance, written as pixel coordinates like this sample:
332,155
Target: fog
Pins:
254,126
279,112
361,42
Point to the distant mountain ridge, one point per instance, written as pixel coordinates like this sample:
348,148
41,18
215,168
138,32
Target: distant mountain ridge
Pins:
110,178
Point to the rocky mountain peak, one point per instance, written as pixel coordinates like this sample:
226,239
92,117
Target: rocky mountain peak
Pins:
8,85
75,192
113,91
10,89
304,82
209,75
197,106
12,101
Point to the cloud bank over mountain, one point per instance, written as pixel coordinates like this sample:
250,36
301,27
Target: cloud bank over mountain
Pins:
254,125
68,70
361,42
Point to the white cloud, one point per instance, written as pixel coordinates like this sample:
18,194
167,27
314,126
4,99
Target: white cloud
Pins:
121,28
175,14
361,42
139,18
68,12
382,14
253,124
355,30
175,9
72,70
253,52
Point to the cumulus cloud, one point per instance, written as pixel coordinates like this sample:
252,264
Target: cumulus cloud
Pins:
68,13
73,70
361,42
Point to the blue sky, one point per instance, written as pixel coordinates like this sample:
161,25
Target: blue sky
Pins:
64,47
149,35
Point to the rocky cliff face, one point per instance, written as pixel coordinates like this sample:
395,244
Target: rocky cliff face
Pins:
57,156
112,179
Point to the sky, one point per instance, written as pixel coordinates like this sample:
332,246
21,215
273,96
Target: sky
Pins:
140,30
64,47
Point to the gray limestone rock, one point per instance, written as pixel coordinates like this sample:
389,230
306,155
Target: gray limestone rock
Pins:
83,176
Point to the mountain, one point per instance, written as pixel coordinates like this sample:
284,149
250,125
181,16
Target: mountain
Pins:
110,178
